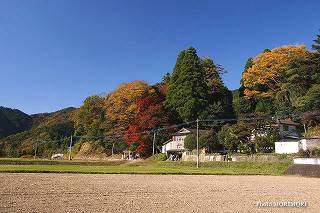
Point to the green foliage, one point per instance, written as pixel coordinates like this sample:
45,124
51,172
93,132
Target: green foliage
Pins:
264,144
187,93
242,105
315,152
312,98
190,142
120,145
303,153
133,147
209,139
89,118
316,45
50,133
313,131
265,105
159,157
13,121
236,138
60,130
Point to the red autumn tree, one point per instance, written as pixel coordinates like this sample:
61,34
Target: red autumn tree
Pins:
151,115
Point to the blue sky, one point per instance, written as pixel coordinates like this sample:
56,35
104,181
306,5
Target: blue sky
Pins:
55,53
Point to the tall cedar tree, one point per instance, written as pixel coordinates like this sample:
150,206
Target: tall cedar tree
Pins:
187,88
219,98
316,45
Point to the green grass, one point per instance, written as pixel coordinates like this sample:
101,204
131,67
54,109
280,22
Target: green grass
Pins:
146,167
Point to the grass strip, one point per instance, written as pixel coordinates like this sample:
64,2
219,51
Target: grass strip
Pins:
151,167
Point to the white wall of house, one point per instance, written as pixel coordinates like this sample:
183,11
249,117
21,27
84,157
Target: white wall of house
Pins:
177,142
287,147
173,145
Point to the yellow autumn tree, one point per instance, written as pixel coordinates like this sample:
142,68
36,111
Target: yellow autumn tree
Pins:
121,105
266,74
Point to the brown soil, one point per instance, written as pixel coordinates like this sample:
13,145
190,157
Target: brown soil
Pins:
153,193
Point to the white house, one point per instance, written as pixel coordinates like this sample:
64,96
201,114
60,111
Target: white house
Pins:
290,138
176,144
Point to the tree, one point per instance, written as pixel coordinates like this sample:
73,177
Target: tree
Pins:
309,119
121,107
209,139
242,105
316,45
90,117
265,144
190,142
151,115
58,131
212,74
187,93
228,138
236,138
267,72
219,98
312,98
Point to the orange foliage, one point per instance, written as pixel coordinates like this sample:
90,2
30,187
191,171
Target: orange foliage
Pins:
268,70
121,105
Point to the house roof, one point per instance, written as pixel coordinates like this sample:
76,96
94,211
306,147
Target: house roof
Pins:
287,121
168,141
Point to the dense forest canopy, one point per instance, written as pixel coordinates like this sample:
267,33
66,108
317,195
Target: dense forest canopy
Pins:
281,82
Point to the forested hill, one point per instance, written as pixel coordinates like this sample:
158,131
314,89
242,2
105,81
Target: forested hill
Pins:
283,83
13,121
23,131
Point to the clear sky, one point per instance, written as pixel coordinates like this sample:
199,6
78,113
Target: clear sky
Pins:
55,53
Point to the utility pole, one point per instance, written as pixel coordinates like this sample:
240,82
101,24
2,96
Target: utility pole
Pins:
154,141
197,143
70,146
112,149
35,150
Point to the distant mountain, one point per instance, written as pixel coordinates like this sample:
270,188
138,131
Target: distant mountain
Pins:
13,121
28,130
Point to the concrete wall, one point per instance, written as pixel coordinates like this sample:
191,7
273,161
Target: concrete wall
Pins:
310,143
307,161
286,147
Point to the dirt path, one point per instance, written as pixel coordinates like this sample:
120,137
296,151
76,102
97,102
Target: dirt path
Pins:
153,193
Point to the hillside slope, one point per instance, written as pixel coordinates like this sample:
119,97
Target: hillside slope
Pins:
47,132
13,121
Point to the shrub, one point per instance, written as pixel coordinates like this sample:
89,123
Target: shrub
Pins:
315,153
190,142
304,153
159,157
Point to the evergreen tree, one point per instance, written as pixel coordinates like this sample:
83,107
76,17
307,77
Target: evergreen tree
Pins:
241,104
187,91
316,45
212,74
219,98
